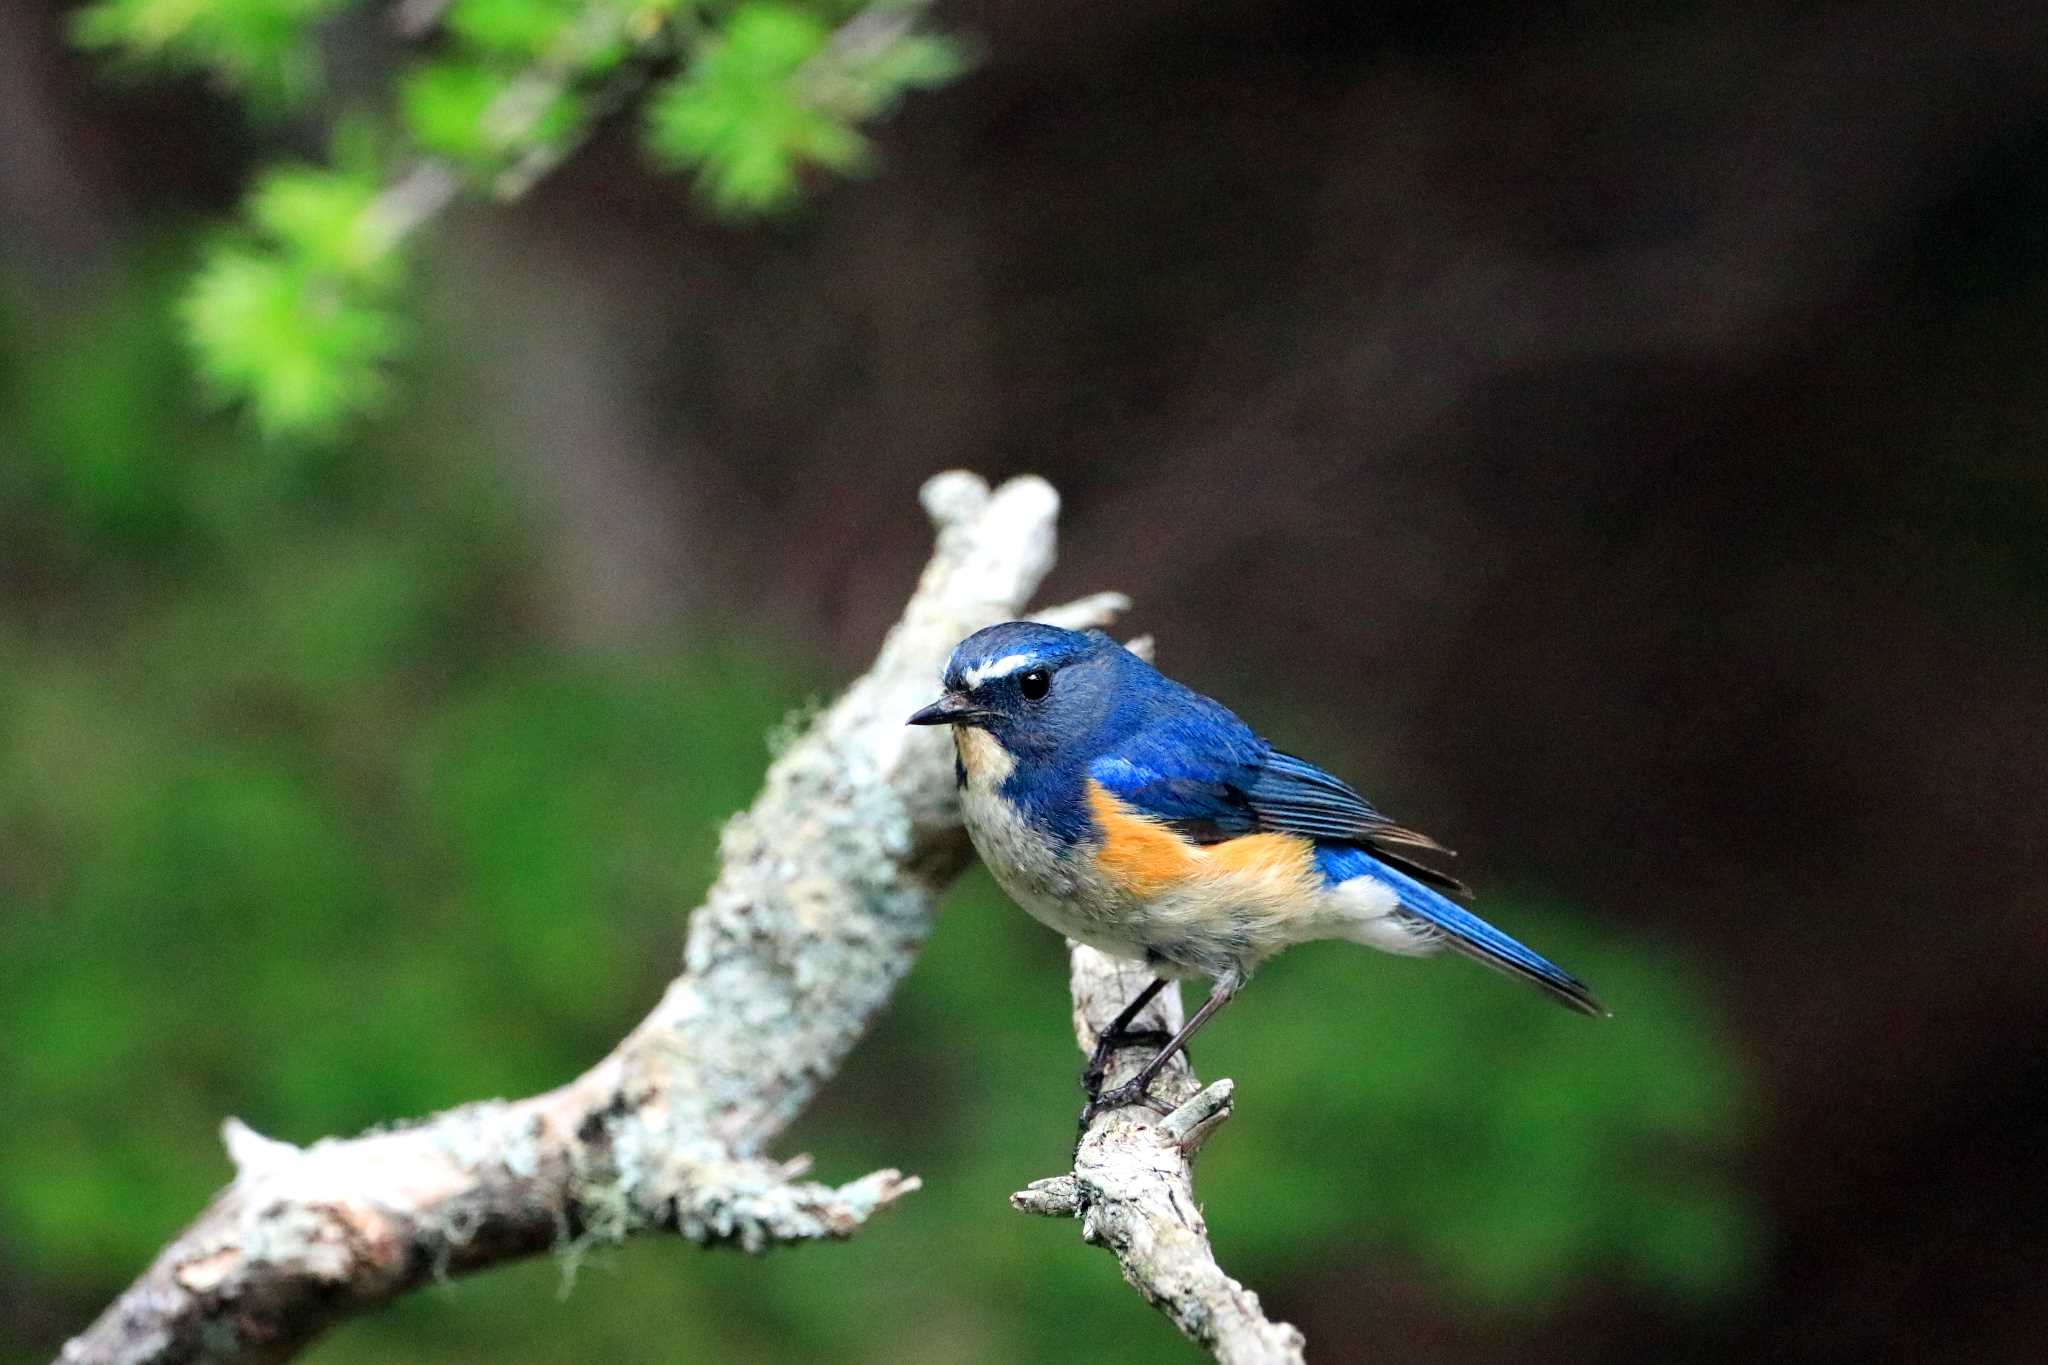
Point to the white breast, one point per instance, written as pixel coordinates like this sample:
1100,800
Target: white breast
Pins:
1057,892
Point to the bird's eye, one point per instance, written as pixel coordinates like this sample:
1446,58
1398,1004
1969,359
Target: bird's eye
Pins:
1034,684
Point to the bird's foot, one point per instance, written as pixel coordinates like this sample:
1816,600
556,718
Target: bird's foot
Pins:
1108,1044
1129,1093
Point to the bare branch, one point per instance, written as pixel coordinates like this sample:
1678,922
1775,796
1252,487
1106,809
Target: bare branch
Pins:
1133,1183
825,893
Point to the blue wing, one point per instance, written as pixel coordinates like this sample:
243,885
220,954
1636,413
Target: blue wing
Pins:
1200,769
1205,772
1293,794
1192,768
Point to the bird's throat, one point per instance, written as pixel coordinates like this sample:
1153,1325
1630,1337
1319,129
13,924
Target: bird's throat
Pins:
984,762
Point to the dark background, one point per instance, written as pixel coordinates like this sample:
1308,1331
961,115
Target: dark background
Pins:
1609,433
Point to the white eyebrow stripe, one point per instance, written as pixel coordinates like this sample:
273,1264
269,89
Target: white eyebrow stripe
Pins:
996,668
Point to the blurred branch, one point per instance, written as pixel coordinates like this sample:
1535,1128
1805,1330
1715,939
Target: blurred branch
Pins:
415,198
825,893
1133,1182
417,19
516,114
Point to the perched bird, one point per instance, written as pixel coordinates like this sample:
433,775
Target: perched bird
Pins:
1135,815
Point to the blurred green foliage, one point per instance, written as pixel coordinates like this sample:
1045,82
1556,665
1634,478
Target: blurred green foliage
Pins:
767,99
295,316
298,317
304,818
263,48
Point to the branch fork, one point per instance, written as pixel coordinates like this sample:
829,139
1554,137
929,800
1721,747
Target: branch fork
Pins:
1133,1182
826,891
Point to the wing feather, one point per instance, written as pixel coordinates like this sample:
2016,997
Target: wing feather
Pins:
1212,779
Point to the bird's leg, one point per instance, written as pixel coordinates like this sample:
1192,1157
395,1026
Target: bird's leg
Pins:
1120,1034
1133,1090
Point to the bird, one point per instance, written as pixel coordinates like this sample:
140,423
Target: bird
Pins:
1138,816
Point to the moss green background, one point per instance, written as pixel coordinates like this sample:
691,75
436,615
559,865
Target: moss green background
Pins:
304,821
1608,434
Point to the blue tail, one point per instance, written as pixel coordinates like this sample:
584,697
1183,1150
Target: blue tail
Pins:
1461,929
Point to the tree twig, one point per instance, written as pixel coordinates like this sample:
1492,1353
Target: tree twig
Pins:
1133,1182
429,185
825,893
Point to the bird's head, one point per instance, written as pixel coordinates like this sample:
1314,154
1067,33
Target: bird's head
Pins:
1034,688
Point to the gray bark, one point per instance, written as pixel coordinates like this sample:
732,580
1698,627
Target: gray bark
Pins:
1133,1182
825,893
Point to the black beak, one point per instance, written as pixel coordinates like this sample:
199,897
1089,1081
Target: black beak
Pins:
951,709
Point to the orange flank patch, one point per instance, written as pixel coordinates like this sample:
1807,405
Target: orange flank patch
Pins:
1142,857
1139,855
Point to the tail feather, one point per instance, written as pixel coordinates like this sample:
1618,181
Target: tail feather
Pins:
1478,940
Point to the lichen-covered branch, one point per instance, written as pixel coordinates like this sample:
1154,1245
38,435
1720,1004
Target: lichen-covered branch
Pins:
1133,1182
825,893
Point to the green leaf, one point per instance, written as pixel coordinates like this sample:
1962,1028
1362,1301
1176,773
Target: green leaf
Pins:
738,118
327,220
444,105
519,29
303,349
264,47
294,320
458,110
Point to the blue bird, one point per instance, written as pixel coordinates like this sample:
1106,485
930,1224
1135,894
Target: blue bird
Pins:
1139,817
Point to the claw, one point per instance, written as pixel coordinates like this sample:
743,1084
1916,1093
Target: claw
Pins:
1108,1044
1125,1095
